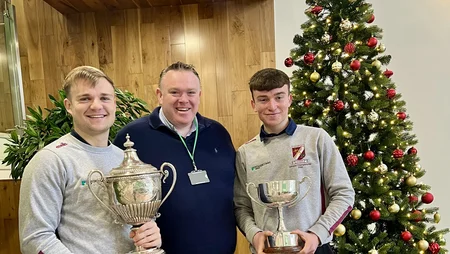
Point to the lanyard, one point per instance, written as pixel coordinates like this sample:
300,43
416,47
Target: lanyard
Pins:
191,155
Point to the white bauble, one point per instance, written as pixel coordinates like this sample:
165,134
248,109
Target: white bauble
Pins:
336,66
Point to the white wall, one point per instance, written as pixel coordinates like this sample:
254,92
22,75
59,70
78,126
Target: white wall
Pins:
417,36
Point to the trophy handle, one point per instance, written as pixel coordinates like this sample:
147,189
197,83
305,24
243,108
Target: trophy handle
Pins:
309,187
165,174
102,183
250,195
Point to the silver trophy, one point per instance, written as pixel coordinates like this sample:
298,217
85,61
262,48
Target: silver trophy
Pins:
134,191
279,194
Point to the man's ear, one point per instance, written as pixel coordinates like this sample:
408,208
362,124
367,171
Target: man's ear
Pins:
68,105
159,95
253,105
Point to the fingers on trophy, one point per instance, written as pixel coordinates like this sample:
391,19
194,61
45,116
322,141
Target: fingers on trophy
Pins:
279,194
134,191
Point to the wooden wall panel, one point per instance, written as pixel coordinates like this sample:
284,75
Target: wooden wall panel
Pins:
226,41
9,203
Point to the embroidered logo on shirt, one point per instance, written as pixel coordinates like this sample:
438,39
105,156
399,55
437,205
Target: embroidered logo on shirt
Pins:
254,168
298,153
61,145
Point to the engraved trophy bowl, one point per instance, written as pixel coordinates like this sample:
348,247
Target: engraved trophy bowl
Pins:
279,194
134,191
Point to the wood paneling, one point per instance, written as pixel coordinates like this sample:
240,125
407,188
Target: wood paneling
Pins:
82,6
226,41
9,204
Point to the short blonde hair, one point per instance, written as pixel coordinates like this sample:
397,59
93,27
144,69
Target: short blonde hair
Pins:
87,73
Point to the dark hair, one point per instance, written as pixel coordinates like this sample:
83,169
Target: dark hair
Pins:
178,66
268,79
87,73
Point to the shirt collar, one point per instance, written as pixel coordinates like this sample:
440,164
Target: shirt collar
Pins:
80,138
167,123
289,130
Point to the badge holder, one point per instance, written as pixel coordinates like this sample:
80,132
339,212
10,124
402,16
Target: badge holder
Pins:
198,177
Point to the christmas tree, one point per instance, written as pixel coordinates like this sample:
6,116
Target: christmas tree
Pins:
342,84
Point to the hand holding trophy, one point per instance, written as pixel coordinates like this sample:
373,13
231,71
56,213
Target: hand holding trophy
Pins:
279,194
134,191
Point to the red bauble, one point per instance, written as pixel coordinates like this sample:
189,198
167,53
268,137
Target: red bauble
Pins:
419,214
350,48
375,215
390,93
434,248
307,103
352,160
355,65
372,42
308,58
369,155
316,9
397,153
338,105
388,73
371,19
401,115
427,198
406,236
288,62
413,199
412,151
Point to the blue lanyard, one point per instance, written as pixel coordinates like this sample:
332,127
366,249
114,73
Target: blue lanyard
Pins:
191,155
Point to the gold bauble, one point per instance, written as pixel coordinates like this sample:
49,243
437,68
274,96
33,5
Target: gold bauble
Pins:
437,217
337,52
340,230
373,251
394,208
366,164
355,214
381,48
315,76
423,245
411,181
377,64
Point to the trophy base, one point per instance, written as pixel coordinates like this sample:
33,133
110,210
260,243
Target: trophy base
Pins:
284,250
149,251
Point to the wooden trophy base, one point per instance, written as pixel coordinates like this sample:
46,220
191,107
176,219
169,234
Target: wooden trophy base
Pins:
284,250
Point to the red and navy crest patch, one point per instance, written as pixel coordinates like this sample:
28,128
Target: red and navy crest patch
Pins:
298,152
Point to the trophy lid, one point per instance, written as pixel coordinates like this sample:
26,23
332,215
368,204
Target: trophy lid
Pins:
131,164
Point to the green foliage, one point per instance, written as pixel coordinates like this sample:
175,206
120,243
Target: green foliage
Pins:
41,129
368,121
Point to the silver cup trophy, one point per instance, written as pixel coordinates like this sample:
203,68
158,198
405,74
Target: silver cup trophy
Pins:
134,191
279,194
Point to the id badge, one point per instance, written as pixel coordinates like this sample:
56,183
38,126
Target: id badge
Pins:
198,177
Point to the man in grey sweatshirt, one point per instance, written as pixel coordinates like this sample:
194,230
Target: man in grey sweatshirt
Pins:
286,151
57,212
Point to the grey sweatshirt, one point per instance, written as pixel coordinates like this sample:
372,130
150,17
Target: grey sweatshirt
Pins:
278,158
54,197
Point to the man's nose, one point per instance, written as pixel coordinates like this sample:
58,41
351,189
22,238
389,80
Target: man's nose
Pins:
184,97
96,104
272,104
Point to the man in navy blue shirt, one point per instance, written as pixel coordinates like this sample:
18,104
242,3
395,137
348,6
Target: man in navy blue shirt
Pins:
198,216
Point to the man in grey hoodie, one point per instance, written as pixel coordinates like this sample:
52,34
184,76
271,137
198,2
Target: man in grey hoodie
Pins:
286,151
57,212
